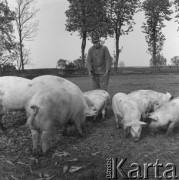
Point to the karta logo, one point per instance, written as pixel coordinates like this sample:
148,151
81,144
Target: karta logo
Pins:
115,170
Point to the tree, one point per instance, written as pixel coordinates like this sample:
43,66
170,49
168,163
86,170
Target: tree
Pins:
156,11
176,3
8,67
7,43
159,61
70,65
87,18
26,57
79,63
61,63
120,14
27,28
175,61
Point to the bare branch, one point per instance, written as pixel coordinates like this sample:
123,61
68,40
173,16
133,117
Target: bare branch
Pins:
26,26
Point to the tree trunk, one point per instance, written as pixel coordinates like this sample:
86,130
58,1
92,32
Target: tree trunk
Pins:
83,45
21,46
117,54
21,55
154,58
154,50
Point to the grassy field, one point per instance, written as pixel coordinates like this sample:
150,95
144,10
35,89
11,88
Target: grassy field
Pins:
103,141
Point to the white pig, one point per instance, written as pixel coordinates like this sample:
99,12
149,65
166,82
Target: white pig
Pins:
127,113
53,106
99,99
166,115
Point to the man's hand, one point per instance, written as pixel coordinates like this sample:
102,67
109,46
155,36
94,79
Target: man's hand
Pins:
106,73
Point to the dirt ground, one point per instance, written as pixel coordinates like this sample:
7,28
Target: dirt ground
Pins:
75,158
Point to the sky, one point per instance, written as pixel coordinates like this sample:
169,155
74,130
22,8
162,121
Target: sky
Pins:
53,42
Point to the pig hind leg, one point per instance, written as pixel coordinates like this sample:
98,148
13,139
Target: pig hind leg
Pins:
118,120
35,141
45,141
79,124
79,129
104,113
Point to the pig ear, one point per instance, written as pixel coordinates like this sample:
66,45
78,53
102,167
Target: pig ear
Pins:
153,118
136,123
171,97
142,123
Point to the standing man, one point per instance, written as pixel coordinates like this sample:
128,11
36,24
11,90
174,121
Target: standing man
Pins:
99,63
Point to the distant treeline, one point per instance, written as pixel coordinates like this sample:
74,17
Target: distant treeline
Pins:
73,72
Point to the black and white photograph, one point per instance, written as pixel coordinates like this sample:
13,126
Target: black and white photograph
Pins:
89,89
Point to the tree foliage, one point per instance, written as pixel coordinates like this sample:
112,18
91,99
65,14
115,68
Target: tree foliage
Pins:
176,3
175,61
120,14
70,65
79,62
65,64
26,25
8,67
61,63
156,11
7,43
160,61
87,16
